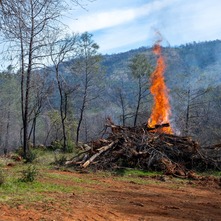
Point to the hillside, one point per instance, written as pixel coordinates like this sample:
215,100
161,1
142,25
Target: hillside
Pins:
194,60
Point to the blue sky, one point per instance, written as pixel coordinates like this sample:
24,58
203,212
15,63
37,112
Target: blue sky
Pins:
121,25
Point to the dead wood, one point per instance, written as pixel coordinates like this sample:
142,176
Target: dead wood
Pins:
139,147
100,151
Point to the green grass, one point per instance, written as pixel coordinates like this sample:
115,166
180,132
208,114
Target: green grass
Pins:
136,180
13,190
136,173
13,187
47,158
72,178
215,173
136,176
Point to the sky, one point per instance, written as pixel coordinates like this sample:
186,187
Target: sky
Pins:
121,25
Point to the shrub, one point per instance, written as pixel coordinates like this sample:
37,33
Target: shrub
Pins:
60,160
70,146
31,156
2,177
56,145
29,174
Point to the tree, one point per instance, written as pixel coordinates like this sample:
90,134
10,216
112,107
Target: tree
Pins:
119,94
140,70
9,100
60,51
41,91
26,25
86,68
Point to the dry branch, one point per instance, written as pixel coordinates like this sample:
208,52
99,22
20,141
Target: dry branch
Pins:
100,151
139,147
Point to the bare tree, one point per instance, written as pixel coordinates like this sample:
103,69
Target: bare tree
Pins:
119,95
60,51
87,66
39,99
191,108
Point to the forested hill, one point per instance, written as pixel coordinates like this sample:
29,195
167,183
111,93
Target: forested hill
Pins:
199,63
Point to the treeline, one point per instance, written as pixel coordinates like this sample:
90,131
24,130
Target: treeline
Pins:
71,99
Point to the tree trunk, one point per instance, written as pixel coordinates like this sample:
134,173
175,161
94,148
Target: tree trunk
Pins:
63,109
82,112
187,114
138,104
7,130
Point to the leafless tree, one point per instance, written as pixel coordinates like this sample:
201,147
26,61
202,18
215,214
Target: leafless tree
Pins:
191,108
39,99
87,66
61,51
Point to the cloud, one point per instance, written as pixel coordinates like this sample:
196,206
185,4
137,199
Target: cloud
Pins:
114,17
189,21
123,25
113,39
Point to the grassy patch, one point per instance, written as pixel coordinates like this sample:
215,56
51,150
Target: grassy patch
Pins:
15,191
18,187
72,178
211,173
136,180
136,176
136,173
46,158
4,161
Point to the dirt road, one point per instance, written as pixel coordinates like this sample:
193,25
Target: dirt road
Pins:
103,197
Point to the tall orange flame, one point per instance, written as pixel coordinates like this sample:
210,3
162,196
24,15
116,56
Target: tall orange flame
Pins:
161,108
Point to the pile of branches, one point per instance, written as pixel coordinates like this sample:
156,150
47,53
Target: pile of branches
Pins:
212,153
140,147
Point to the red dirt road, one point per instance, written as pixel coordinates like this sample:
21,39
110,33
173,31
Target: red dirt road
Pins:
114,198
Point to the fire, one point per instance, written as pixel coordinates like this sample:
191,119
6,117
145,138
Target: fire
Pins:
161,108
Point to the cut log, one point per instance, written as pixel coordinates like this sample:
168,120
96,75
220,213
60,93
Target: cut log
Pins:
101,150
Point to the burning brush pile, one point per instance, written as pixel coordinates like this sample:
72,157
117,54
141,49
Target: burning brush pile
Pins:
141,147
152,146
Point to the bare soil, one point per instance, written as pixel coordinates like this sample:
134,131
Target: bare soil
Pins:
117,198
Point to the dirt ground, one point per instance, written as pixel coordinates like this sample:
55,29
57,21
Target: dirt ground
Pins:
111,198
